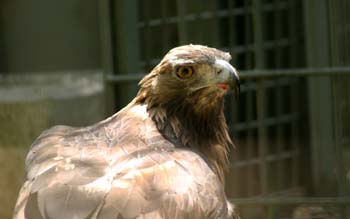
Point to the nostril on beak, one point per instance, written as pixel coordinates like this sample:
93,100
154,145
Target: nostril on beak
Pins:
219,71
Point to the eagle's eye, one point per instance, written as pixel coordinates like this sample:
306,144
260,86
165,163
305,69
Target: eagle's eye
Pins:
184,72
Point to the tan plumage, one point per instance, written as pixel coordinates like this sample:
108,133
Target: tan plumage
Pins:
162,156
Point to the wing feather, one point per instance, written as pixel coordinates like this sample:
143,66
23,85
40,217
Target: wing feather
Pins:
121,169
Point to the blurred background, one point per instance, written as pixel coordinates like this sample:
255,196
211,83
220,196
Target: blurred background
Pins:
75,62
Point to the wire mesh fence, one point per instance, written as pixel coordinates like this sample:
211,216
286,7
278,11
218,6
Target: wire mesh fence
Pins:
265,181
277,123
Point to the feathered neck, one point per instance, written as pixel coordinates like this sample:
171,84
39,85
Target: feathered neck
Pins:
196,122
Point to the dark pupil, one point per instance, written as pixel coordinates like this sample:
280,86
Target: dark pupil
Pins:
185,71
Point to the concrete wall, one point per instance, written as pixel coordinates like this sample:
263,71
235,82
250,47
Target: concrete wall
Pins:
49,35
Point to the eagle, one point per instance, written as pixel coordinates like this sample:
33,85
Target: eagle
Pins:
163,156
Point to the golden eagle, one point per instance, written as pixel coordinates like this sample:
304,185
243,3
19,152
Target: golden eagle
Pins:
162,156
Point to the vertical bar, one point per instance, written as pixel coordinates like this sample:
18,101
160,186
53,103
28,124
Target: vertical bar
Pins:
259,64
258,34
295,102
165,26
337,88
343,28
107,53
249,61
147,35
333,18
261,107
340,39
106,36
231,23
249,142
279,135
198,4
278,96
127,45
319,97
182,26
249,111
292,34
249,96
294,89
346,9
215,42
277,34
233,103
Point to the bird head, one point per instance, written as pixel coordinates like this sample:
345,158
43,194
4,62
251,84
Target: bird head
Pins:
191,75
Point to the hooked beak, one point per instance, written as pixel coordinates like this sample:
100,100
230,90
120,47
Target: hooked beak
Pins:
227,77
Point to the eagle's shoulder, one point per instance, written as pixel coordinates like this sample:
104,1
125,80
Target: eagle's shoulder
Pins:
128,130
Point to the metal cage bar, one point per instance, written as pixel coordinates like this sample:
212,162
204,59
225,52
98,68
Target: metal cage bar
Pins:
251,74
